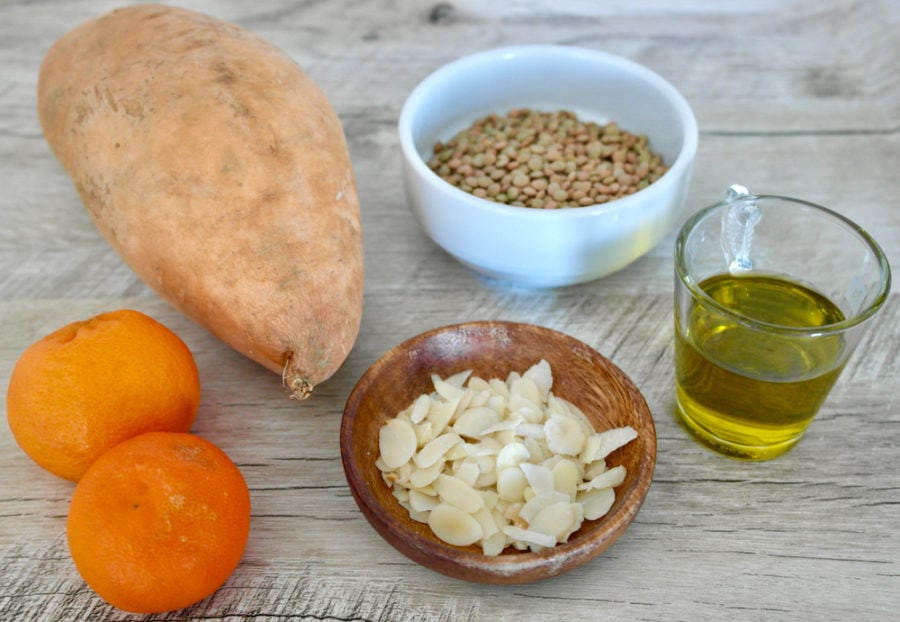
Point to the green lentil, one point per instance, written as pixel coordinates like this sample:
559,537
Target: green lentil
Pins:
546,160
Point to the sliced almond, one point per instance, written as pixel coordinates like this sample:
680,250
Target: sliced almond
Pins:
494,545
441,413
594,469
459,379
467,470
541,374
505,437
420,478
420,408
537,447
500,426
454,526
457,452
421,502
397,443
424,433
607,479
401,495
499,387
591,449
536,504
461,406
526,390
474,421
539,477
488,524
564,435
511,513
596,502
487,478
525,410
511,484
479,384
444,389
479,398
529,537
456,492
490,498
530,430
566,477
419,517
612,440
557,519
435,449
567,408
498,403
512,454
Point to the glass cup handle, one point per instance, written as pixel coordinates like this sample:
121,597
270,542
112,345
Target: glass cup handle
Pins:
737,228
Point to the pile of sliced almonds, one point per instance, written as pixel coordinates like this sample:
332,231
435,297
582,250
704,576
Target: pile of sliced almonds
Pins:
500,463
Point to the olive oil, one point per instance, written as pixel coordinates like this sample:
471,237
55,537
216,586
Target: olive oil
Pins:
750,388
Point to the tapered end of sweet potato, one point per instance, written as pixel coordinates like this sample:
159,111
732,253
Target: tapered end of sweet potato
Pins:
300,387
295,380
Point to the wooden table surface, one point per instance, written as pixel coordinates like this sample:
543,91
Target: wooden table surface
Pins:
792,97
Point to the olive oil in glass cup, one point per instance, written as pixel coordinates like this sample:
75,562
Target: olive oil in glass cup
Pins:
772,295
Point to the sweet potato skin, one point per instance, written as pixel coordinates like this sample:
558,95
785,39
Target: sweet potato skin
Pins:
219,172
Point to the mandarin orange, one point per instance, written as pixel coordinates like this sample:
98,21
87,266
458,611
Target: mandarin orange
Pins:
91,384
159,522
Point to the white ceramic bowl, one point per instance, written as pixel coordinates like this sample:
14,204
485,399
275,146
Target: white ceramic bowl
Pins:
546,248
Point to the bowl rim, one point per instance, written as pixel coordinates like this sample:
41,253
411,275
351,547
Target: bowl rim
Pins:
522,566
679,168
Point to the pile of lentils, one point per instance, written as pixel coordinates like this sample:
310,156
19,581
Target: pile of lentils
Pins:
546,160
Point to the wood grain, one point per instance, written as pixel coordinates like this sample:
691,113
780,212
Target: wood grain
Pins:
795,97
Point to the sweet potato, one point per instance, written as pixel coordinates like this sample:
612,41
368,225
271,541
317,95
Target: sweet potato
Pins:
219,172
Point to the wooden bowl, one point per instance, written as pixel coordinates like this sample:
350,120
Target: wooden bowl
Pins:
491,350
